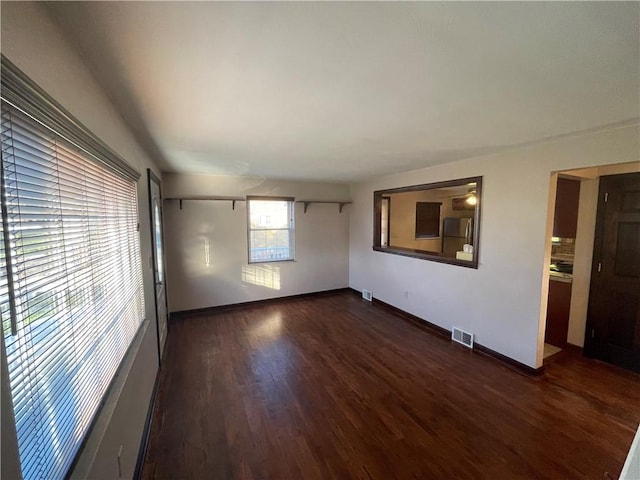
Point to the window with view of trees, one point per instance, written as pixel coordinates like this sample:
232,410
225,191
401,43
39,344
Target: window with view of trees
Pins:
271,229
71,295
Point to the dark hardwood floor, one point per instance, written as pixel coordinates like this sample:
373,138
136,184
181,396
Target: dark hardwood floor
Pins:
334,387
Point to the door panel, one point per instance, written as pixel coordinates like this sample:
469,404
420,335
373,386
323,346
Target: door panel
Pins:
613,320
622,332
157,244
630,201
627,263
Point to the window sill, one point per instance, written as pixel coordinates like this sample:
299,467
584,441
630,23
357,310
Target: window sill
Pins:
272,261
425,255
86,456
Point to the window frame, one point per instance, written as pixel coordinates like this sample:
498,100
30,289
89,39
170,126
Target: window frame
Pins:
421,209
24,95
377,246
291,228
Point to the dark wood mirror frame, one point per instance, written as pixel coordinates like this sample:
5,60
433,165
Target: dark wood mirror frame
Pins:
423,254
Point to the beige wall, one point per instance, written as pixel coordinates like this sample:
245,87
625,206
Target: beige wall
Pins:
403,221
207,242
36,46
582,261
503,302
403,217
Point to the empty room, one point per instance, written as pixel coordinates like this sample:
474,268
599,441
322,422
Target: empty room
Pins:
320,240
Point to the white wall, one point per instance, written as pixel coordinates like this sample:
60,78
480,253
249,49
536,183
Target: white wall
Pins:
36,46
501,302
206,242
631,468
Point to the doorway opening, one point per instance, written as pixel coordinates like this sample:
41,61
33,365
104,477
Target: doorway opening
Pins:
563,241
569,257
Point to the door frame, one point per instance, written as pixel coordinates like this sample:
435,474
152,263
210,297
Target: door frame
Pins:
590,180
151,177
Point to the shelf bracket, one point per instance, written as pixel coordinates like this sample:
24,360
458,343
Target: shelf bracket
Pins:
306,205
180,204
233,204
342,204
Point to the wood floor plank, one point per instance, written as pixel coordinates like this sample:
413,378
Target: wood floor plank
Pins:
335,387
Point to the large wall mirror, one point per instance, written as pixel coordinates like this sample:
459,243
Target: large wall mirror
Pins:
436,221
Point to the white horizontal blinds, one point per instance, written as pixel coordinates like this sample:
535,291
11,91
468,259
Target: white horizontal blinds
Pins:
77,281
5,313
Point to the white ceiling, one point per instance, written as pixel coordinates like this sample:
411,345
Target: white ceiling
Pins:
344,91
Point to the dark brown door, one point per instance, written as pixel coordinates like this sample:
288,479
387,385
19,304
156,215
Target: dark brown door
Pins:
613,321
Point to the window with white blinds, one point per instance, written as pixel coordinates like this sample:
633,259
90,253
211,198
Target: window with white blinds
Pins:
71,295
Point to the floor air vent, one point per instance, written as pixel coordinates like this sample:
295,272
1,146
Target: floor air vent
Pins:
366,294
460,336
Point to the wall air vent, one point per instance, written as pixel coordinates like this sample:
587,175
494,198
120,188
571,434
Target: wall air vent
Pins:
366,294
460,336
